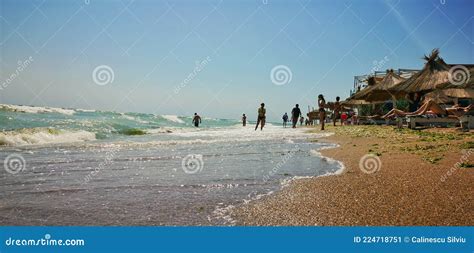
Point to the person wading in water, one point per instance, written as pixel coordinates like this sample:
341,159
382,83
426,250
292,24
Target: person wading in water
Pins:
196,120
295,115
261,117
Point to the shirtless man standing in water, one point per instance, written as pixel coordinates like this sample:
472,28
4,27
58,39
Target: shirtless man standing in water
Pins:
261,117
196,120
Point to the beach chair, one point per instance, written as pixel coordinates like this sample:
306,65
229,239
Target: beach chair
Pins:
375,120
467,122
465,119
414,121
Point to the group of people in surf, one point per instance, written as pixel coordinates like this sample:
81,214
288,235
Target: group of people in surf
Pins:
416,108
296,115
261,118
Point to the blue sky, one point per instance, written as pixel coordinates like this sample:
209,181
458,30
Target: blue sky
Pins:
153,47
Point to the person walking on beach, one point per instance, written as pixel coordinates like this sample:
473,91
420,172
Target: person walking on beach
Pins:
337,110
295,115
301,120
196,119
261,117
322,112
244,120
285,119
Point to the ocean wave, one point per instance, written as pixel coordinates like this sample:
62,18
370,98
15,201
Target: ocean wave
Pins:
35,109
173,118
86,110
132,118
194,136
38,136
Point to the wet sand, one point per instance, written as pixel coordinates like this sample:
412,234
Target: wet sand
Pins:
425,178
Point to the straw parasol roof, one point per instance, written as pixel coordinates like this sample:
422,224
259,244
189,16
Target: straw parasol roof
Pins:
436,74
439,98
379,91
354,102
447,95
371,81
459,93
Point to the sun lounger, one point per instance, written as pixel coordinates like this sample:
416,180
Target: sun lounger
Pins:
375,120
414,121
467,121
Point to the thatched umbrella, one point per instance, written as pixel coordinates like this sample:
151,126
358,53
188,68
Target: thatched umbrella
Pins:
352,101
459,93
355,102
379,91
371,81
436,74
449,95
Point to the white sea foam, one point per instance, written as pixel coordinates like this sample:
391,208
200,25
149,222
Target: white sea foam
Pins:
288,181
191,136
163,130
127,116
85,110
246,133
173,118
340,165
131,118
223,215
329,160
36,109
38,136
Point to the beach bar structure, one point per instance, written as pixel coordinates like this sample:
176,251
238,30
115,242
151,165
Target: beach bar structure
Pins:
436,75
378,91
362,81
438,81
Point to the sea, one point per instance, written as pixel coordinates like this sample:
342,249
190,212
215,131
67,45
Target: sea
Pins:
90,167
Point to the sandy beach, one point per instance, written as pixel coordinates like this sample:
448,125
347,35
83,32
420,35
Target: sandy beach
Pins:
425,178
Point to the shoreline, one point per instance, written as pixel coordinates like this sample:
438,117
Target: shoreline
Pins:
409,188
